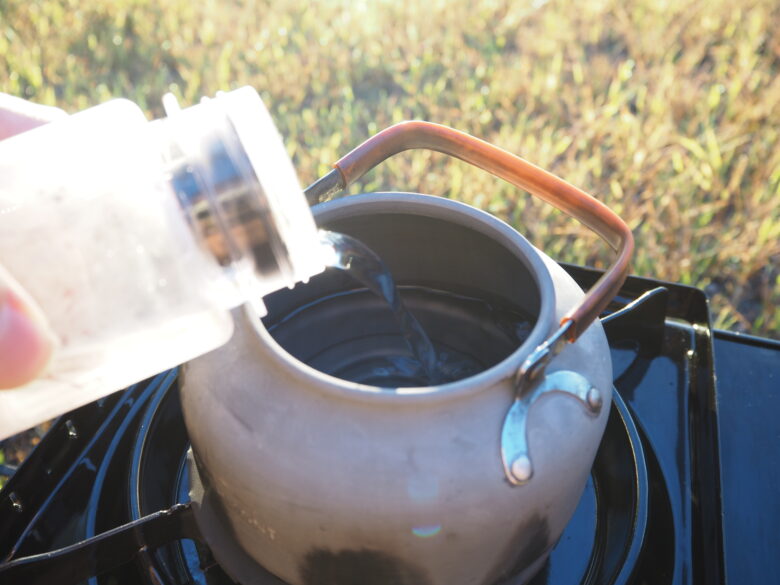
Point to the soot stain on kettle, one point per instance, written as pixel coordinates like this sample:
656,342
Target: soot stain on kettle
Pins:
358,567
530,541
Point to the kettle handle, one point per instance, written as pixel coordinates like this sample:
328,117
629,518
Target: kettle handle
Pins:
518,172
530,381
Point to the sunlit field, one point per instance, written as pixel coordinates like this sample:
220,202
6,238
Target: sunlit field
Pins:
669,112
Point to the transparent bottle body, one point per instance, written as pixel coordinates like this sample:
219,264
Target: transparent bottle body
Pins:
92,231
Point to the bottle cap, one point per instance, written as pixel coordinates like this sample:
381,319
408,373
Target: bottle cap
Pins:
239,190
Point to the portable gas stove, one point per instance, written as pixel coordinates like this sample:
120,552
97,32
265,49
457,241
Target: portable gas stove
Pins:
684,488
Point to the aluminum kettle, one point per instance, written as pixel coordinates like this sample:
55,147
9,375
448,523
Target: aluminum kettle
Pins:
303,478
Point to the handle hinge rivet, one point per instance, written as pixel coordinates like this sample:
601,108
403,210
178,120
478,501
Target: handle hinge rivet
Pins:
522,469
594,399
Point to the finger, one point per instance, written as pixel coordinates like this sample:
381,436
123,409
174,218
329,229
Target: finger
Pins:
18,115
25,344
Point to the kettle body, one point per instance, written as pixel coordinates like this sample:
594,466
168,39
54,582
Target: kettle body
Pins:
304,478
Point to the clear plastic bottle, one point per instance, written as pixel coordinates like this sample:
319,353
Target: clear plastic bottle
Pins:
135,238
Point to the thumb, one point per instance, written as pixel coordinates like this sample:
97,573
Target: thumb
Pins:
26,344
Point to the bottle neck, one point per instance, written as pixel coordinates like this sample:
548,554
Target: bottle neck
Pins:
253,221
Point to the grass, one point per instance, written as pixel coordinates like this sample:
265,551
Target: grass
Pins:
669,112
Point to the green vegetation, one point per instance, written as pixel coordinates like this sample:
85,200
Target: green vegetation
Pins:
669,112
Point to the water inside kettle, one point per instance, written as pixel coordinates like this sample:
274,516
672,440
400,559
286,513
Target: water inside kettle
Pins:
381,342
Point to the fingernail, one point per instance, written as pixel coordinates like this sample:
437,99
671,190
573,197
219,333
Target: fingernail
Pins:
15,304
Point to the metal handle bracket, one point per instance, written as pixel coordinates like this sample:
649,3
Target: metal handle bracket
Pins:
515,455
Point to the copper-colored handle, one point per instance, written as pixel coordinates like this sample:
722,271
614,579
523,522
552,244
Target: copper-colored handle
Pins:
521,173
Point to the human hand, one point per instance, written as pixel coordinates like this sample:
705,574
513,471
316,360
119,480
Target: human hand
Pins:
26,342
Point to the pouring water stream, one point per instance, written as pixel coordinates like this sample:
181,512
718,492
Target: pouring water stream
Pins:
362,264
